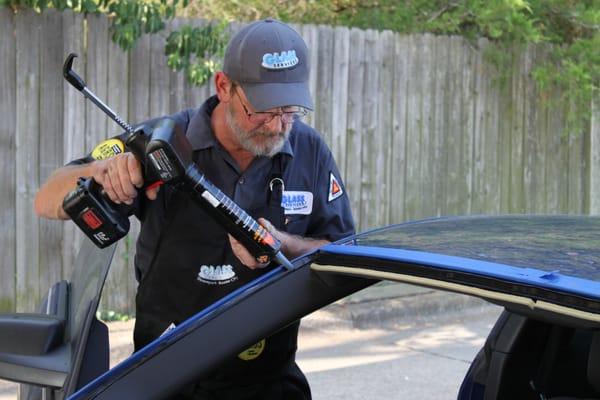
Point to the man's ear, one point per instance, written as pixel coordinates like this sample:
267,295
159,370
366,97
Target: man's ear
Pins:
223,86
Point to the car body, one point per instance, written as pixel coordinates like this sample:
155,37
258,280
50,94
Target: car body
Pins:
544,270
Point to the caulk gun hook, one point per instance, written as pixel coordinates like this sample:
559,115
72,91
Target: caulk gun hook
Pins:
70,75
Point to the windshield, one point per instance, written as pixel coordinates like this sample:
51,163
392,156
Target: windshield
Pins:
569,244
89,272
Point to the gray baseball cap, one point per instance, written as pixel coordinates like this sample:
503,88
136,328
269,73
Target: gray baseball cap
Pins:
270,62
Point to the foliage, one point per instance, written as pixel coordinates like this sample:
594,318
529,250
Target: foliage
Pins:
110,316
197,50
133,18
570,26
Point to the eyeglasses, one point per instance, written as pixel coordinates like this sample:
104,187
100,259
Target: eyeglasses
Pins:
287,114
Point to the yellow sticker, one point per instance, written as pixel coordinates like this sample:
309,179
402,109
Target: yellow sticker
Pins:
107,149
253,351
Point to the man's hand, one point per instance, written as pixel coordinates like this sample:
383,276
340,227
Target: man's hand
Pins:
292,246
121,176
244,255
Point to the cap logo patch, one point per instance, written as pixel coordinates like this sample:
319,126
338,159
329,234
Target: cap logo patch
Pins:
284,60
335,189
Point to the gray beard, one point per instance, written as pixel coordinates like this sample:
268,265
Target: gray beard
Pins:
267,148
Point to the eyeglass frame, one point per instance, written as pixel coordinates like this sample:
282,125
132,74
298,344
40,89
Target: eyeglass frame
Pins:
270,115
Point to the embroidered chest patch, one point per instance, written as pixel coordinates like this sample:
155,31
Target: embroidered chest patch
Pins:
297,202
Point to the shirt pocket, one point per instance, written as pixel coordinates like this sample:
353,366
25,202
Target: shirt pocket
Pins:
296,224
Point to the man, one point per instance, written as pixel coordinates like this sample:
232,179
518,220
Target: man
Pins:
249,141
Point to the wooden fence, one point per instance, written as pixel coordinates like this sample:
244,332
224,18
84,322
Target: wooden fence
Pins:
417,124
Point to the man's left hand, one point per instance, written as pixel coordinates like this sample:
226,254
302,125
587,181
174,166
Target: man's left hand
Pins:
244,255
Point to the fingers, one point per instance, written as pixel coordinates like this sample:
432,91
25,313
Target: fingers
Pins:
135,170
152,193
120,176
244,255
267,224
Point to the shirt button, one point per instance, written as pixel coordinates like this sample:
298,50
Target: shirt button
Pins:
241,181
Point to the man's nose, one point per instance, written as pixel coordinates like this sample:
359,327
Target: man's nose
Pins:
276,124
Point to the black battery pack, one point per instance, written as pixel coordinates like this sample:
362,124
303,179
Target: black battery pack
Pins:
100,219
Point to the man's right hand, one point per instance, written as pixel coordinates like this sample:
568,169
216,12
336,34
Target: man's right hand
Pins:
121,176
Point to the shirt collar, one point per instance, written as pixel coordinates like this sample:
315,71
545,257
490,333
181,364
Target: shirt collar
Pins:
200,134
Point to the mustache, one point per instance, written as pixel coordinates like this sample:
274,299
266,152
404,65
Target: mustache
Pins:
267,134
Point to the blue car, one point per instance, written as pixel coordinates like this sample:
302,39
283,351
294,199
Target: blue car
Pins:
544,271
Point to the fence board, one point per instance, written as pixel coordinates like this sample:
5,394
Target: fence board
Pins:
516,135
493,153
139,81
139,101
27,159
339,110
356,69
7,158
467,122
97,126
534,177
118,79
454,185
487,131
481,164
557,170
576,165
177,80
542,137
159,80
371,156
323,95
310,33
398,138
73,128
385,124
412,193
439,117
505,119
427,158
50,142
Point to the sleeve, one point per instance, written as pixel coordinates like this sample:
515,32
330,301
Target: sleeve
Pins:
332,216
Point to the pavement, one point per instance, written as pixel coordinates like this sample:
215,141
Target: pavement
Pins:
381,306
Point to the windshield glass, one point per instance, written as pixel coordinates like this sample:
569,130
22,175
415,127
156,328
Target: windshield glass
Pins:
89,273
569,244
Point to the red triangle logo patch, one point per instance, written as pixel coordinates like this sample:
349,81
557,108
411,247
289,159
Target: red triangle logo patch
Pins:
335,189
